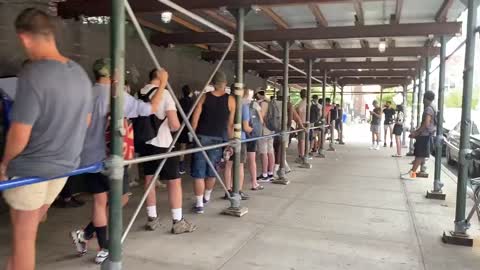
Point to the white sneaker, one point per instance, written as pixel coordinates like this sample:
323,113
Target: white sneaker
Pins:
78,238
377,147
372,147
102,255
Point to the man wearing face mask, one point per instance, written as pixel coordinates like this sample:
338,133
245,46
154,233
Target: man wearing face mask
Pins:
186,102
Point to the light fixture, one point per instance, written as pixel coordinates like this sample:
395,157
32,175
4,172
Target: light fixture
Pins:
166,16
223,10
359,70
382,46
256,9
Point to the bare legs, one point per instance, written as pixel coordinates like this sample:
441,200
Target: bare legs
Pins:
399,145
252,167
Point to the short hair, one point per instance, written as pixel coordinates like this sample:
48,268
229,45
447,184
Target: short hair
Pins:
328,100
152,75
315,97
429,95
388,102
303,93
34,21
400,108
375,103
186,90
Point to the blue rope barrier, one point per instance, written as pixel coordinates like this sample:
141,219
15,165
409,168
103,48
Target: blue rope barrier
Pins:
24,181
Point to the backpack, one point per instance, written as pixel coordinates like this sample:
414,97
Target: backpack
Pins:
273,119
314,113
146,128
128,139
254,122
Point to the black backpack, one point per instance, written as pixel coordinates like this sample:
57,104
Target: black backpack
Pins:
314,113
145,128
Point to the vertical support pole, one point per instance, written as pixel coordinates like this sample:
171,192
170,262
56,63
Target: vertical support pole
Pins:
461,224
404,102
321,150
437,193
333,121
419,98
117,54
282,179
412,117
305,164
340,135
235,208
382,130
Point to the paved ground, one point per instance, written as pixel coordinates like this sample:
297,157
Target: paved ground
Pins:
351,211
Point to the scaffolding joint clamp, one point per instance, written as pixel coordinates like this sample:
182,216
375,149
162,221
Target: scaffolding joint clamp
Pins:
114,167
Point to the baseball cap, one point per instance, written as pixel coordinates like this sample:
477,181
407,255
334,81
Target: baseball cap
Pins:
101,67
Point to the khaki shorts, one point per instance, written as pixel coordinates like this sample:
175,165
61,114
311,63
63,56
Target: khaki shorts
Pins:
32,197
265,146
301,135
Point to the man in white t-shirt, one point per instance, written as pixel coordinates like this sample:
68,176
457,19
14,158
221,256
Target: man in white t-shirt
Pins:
301,109
167,113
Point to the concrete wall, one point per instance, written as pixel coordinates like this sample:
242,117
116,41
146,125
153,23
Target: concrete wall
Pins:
84,43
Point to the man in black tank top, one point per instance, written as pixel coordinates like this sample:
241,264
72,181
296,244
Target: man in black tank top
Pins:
213,117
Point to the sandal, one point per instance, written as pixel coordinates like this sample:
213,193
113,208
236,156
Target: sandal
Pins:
258,187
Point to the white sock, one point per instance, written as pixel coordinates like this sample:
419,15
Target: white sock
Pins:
177,214
264,175
270,173
199,201
208,193
152,211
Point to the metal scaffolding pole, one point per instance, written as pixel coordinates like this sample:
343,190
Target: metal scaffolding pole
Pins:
419,98
321,150
404,103
282,179
340,135
307,123
461,224
235,209
412,117
332,121
423,167
437,192
117,54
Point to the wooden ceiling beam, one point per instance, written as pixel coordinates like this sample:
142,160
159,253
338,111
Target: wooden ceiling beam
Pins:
331,53
442,13
337,32
318,14
355,65
228,23
279,21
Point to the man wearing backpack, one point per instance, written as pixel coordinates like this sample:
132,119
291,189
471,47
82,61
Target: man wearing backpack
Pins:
423,135
159,144
315,113
95,150
301,109
265,146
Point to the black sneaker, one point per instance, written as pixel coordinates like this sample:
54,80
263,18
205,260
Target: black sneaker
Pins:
225,197
181,167
271,177
391,144
263,179
384,144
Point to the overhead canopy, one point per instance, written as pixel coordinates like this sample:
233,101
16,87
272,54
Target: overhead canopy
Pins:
341,36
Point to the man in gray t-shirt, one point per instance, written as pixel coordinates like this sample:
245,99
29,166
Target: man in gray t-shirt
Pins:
423,134
49,122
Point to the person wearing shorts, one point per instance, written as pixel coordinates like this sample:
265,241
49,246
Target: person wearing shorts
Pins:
213,117
388,123
301,109
167,113
375,125
265,146
49,121
95,151
423,135
246,128
186,102
398,129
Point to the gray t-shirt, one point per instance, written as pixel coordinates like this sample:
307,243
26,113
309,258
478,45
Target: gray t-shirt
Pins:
55,99
430,130
95,148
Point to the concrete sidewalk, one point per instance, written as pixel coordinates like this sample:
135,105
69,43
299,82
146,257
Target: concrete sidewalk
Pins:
350,211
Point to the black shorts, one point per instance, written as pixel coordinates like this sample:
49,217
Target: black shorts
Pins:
397,129
251,147
422,146
100,183
169,170
243,154
184,137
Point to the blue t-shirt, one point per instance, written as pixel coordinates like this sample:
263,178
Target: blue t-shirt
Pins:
245,117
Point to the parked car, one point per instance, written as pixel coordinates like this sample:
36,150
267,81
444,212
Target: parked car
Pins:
452,141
